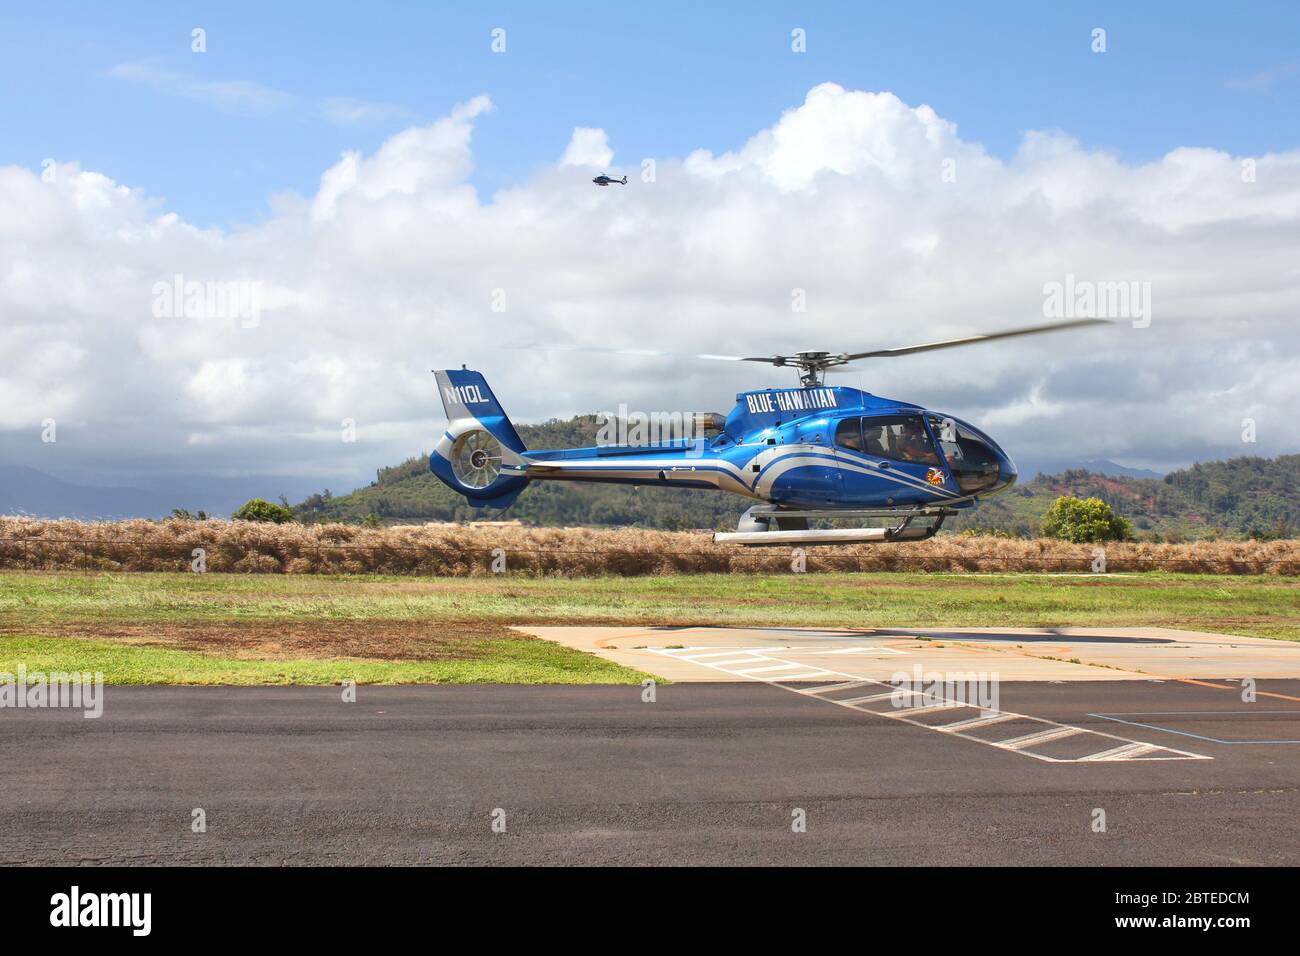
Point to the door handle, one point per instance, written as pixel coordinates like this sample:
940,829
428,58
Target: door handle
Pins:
883,466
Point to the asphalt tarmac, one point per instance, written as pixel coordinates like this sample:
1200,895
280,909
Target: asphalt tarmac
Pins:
707,773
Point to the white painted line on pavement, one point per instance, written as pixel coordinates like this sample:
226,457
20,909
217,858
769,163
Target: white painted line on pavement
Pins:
1123,749
1041,737
984,720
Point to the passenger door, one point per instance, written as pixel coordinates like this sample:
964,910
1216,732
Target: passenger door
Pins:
906,458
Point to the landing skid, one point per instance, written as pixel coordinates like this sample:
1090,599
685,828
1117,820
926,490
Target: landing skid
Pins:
756,527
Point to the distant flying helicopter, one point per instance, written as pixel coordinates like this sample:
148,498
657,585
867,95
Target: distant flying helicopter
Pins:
604,180
812,452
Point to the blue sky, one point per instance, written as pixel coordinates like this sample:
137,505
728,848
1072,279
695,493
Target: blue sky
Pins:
116,87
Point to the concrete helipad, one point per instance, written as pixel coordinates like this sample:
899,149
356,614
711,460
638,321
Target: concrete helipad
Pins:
1014,654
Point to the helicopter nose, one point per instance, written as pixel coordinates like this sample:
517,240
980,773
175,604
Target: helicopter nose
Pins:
1007,472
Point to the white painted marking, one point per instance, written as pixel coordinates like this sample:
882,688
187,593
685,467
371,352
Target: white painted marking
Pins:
928,708
854,701
808,676
996,717
1041,737
773,667
731,652
1126,750
842,685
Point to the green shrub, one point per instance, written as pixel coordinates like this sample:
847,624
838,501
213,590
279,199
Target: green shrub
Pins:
1084,520
259,509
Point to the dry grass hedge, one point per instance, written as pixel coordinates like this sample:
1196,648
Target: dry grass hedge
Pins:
469,550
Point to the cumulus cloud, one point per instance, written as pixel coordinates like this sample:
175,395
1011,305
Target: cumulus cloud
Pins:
587,147
427,163
890,227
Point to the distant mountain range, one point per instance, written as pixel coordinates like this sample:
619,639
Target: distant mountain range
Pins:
28,491
1031,468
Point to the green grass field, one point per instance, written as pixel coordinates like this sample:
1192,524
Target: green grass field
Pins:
258,629
519,661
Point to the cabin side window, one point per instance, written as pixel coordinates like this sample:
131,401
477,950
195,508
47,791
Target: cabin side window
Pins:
900,438
848,434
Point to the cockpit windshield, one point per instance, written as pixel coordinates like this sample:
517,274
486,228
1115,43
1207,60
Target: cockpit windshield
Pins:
974,465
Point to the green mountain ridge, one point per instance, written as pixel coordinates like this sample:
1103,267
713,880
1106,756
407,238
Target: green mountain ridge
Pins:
1237,498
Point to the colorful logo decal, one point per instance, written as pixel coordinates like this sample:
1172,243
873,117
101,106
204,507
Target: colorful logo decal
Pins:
934,476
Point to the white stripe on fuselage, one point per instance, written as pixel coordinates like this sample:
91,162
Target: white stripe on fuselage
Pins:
774,471
790,457
705,470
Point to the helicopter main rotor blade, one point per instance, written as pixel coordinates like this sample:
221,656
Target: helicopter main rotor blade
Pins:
643,353
974,339
814,363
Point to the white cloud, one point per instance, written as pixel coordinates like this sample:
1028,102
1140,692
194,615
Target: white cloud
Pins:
347,111
389,270
587,147
428,162
243,97
231,96
873,136
1264,80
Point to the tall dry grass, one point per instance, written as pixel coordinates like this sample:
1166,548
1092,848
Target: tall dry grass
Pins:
469,550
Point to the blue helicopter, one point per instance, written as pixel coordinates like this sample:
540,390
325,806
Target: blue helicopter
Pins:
804,454
604,179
